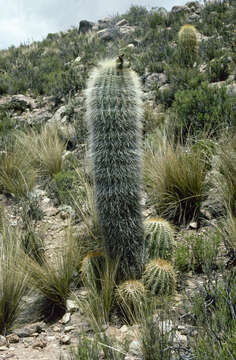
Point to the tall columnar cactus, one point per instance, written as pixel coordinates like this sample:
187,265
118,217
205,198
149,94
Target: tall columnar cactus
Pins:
188,44
114,114
159,239
159,277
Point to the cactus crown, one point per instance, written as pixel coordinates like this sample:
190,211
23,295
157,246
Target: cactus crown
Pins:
114,114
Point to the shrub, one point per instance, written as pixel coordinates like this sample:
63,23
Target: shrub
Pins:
202,110
175,182
13,278
46,149
54,279
214,312
64,186
198,251
218,69
17,176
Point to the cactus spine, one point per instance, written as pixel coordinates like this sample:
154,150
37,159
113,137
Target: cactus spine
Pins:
188,44
159,239
114,114
159,277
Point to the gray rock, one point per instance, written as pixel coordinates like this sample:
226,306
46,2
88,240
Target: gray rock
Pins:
65,340
122,22
155,79
180,9
127,30
85,26
3,340
21,102
193,17
66,318
71,305
231,89
135,347
194,6
106,34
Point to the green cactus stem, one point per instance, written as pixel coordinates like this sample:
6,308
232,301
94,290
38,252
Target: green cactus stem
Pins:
159,239
188,44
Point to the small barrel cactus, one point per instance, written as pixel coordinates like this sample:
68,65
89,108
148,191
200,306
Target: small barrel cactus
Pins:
130,295
159,277
159,239
188,44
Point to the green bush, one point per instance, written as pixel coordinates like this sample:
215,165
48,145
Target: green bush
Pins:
218,69
200,110
63,186
198,251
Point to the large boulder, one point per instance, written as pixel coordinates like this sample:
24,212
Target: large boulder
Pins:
85,26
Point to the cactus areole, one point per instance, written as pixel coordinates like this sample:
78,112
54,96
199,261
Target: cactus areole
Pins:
114,117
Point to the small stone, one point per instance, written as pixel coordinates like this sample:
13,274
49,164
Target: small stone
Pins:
51,338
13,339
39,344
71,306
56,328
135,347
124,329
193,225
68,329
65,340
3,348
122,22
66,318
3,340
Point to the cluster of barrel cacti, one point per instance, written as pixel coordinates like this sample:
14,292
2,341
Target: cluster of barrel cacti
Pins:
114,117
188,45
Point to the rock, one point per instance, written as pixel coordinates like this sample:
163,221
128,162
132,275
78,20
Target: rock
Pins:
13,339
71,306
59,116
122,22
106,34
21,103
3,340
3,348
85,26
56,328
192,18
127,30
65,340
40,343
66,211
194,6
135,347
68,329
155,79
231,89
180,9
28,331
113,332
66,318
